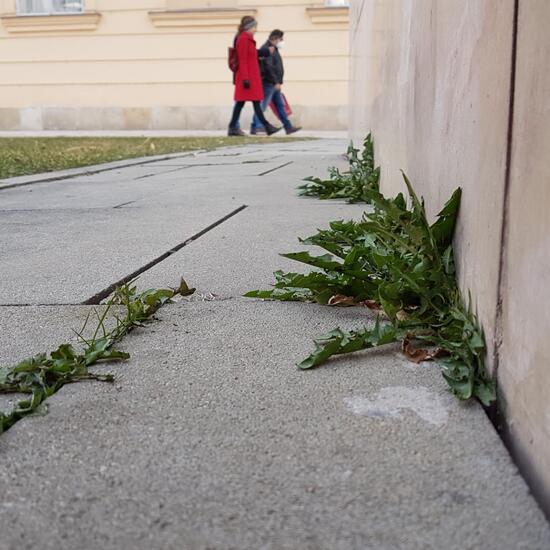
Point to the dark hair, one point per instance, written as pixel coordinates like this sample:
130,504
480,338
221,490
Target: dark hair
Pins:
277,33
245,21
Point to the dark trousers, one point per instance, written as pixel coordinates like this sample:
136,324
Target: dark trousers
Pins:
237,114
271,94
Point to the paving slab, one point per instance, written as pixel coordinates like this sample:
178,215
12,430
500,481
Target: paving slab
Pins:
242,254
90,249
100,191
30,330
211,438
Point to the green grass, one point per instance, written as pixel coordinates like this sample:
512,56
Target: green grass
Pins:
25,156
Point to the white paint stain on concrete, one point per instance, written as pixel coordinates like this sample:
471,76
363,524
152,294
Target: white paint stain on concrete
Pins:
391,401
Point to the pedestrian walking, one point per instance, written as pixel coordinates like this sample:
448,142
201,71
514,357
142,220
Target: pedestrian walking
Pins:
272,71
248,81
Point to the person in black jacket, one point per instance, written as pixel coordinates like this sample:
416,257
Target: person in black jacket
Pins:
273,71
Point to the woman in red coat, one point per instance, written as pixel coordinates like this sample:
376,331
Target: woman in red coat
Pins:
248,80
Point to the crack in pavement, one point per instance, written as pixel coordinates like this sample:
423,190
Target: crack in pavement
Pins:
236,154
180,167
101,295
259,161
125,203
276,168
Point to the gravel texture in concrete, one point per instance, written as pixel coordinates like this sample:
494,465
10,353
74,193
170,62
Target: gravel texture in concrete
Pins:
212,438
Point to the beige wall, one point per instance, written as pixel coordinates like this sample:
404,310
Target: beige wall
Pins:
432,80
136,67
524,371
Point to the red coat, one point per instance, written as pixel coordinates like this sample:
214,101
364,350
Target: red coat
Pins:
249,69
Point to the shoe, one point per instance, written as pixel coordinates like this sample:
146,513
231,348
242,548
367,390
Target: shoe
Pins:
237,132
270,129
292,130
255,131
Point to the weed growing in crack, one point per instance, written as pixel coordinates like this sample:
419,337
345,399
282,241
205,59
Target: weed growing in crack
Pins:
395,262
44,374
354,185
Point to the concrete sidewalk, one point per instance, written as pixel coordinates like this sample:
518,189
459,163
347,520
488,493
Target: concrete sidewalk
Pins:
211,438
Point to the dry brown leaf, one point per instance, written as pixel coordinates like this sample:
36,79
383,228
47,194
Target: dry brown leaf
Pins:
417,355
342,300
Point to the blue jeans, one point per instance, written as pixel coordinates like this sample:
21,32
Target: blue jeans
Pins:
271,94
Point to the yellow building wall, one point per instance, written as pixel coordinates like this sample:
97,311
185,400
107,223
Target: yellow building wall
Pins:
161,64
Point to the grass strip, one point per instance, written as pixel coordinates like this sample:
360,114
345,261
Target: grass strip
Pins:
28,155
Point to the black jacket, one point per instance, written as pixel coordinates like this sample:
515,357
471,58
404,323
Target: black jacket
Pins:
272,67
263,52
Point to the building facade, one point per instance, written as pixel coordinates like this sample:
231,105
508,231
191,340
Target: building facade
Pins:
457,93
160,64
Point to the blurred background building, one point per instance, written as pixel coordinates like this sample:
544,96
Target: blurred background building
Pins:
160,64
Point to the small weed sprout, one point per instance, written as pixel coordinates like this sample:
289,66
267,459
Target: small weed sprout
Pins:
354,185
44,374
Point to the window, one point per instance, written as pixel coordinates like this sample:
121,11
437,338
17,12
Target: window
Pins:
48,7
336,3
